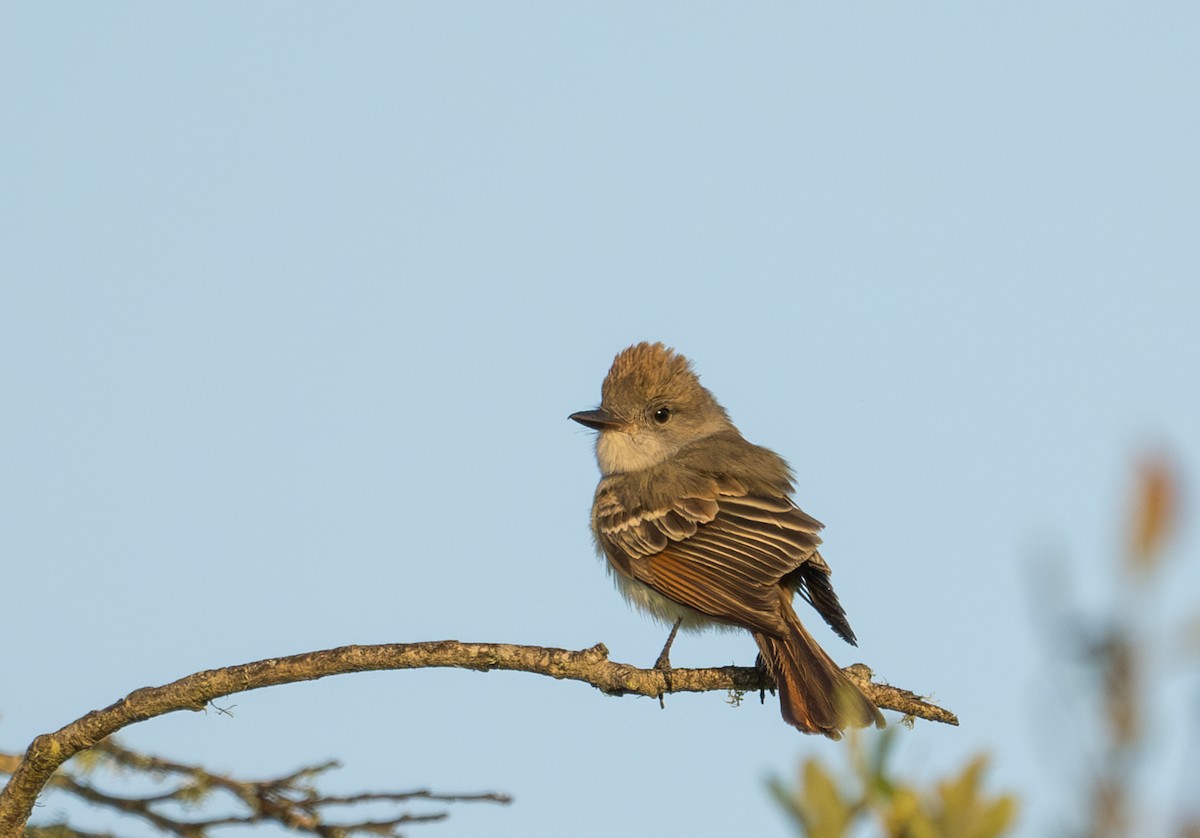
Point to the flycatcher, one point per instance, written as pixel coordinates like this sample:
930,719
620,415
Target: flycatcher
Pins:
699,529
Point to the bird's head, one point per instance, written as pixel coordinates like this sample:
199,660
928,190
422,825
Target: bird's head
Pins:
652,405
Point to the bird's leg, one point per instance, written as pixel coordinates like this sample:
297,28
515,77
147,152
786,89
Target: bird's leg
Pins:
664,657
663,664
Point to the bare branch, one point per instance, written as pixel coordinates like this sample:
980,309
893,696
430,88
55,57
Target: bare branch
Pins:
292,800
592,666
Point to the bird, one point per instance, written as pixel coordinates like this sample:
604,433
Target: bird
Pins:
699,529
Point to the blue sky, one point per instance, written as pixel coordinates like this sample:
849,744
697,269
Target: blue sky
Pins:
297,299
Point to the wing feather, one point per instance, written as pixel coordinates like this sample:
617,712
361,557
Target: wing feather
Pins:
718,550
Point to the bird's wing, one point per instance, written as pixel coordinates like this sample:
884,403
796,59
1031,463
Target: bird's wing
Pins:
720,551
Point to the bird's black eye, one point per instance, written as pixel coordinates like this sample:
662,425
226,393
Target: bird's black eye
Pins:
662,415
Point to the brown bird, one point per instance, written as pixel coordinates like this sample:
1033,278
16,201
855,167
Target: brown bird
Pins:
699,529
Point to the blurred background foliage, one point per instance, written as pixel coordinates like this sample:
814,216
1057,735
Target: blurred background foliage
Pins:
872,795
1118,649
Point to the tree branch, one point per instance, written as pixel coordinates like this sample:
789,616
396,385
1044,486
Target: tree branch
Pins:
591,666
292,800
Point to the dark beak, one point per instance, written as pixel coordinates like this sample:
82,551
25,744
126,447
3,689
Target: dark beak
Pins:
597,420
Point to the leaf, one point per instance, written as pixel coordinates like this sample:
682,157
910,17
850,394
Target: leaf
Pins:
966,812
906,816
1154,512
827,814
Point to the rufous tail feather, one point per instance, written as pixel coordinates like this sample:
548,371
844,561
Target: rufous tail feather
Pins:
815,696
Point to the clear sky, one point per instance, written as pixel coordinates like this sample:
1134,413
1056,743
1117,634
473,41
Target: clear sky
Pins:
297,298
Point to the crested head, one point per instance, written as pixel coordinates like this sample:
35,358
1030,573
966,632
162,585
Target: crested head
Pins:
648,371
655,406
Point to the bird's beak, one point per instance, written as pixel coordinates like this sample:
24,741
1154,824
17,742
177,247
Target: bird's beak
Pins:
597,420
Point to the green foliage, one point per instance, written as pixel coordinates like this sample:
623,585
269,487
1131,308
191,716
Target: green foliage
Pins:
821,806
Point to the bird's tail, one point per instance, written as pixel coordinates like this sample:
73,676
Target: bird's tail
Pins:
815,696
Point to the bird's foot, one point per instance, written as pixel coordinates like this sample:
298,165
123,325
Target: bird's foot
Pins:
765,674
663,664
